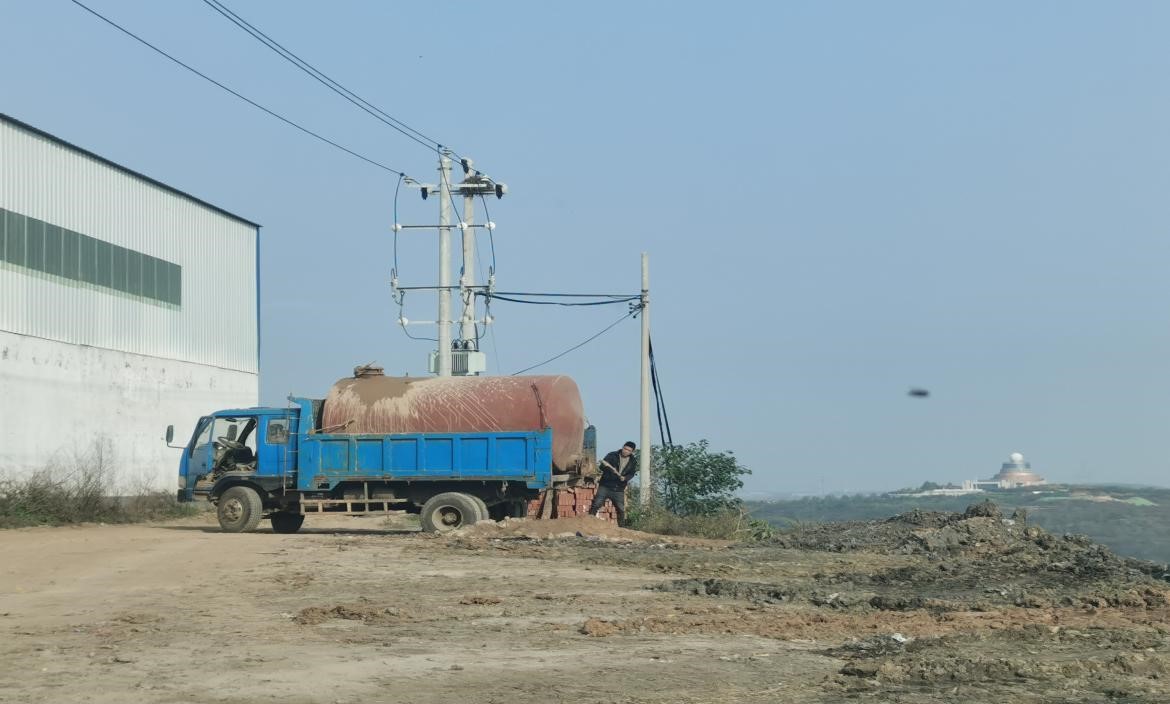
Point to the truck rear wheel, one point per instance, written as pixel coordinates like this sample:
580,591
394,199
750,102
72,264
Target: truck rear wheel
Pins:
484,514
239,510
283,522
445,512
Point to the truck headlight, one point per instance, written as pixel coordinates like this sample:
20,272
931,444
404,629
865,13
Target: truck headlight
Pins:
182,482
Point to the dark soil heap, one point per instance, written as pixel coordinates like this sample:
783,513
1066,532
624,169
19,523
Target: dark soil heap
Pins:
979,556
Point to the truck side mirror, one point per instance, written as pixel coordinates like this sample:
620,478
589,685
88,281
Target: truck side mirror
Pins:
170,437
232,432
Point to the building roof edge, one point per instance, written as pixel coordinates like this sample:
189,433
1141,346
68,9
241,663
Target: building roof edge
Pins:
125,169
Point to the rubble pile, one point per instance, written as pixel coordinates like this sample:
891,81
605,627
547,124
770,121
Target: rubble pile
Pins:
979,537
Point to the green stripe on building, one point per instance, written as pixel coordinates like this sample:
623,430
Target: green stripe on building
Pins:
41,246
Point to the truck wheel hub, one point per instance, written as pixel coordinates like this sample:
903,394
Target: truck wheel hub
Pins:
450,517
232,510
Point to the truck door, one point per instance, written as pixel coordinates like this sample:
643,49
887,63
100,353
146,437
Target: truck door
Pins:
274,451
200,453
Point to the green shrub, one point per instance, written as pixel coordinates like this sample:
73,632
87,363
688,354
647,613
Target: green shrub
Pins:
82,489
726,524
693,494
694,480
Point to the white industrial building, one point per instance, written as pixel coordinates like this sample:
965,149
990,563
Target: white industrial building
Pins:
125,305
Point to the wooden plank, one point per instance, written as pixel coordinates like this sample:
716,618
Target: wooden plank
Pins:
550,497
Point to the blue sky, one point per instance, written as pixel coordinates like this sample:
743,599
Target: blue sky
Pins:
841,201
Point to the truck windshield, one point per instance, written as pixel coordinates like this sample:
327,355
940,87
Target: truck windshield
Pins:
236,434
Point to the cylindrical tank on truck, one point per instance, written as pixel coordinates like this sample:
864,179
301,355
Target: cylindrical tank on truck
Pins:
372,403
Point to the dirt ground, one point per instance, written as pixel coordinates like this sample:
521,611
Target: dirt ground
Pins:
920,608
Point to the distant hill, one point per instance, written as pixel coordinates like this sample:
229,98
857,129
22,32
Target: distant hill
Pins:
1133,521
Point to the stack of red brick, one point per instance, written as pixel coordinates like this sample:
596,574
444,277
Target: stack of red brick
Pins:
571,502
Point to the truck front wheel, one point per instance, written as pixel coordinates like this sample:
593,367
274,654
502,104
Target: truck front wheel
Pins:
445,512
239,510
287,522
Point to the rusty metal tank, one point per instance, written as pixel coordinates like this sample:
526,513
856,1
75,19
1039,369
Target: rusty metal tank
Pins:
370,402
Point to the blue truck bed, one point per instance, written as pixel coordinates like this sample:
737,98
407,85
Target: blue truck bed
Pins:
328,459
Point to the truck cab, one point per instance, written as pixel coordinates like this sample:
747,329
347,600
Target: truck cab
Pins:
253,444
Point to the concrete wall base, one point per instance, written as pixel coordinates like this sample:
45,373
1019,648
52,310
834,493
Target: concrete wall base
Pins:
58,399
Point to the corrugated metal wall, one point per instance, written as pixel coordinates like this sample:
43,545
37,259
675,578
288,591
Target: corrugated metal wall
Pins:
215,324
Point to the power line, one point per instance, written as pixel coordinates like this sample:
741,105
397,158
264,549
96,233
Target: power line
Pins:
251,102
395,228
623,296
402,313
491,331
658,409
660,401
491,230
420,339
487,310
581,344
321,78
605,302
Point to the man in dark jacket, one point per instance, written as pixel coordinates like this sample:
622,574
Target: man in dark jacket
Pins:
617,469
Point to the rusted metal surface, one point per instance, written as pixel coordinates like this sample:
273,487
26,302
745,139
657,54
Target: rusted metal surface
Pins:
540,406
384,404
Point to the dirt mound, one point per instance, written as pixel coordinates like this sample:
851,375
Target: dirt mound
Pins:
585,527
985,509
979,533
970,561
480,600
366,613
852,597
1099,657
913,532
871,647
598,628
732,589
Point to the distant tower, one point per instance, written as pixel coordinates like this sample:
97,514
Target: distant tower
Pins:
1016,472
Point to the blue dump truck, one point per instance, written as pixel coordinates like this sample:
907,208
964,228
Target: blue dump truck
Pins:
286,463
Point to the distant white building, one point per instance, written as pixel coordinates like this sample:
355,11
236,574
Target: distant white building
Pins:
125,305
1012,474
965,489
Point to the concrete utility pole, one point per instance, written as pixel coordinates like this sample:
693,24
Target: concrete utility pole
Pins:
473,184
644,439
467,280
444,321
462,358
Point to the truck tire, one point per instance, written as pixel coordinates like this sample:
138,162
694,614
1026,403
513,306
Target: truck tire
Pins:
484,514
239,510
445,512
283,522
